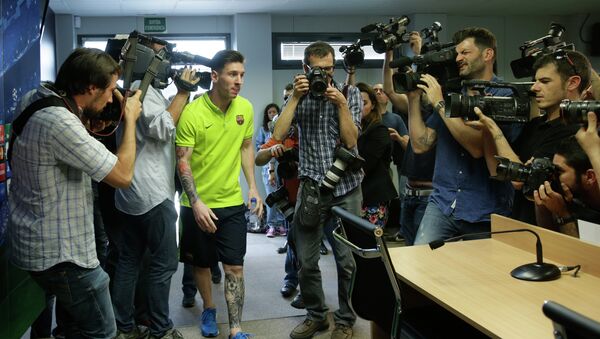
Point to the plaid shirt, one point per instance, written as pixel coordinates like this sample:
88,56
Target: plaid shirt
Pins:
319,133
51,207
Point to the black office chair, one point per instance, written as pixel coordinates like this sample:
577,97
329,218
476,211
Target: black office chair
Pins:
569,324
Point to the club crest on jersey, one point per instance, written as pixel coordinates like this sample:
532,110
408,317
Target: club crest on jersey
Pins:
239,119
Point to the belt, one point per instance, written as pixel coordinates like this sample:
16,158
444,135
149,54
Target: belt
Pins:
417,192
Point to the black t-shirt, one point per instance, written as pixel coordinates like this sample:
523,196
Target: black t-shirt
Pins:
539,139
419,166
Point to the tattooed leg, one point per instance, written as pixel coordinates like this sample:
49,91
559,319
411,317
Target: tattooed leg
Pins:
234,295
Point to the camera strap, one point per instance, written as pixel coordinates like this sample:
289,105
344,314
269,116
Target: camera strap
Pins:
19,123
151,72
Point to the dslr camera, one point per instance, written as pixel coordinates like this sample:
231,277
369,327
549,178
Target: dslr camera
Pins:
279,199
535,49
317,79
344,161
440,64
353,54
576,111
500,109
532,176
390,35
287,164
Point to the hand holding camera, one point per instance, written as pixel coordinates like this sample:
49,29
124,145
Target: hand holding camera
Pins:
277,150
187,80
301,86
588,137
555,202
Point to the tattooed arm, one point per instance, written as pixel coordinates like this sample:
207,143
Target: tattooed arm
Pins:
422,137
204,216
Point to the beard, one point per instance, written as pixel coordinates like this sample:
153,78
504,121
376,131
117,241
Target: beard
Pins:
91,113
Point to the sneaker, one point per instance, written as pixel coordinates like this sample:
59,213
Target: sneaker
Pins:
281,230
139,332
298,302
242,335
308,328
170,334
341,331
271,232
208,324
188,301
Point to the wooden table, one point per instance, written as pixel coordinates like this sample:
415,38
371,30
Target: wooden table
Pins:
472,279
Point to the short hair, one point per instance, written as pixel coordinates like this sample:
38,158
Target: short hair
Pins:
225,57
266,115
375,114
574,155
562,60
86,67
319,49
483,37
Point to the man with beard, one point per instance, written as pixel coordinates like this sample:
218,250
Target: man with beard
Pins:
54,159
463,195
580,196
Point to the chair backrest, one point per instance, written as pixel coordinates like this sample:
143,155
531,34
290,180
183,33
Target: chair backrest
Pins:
569,324
375,235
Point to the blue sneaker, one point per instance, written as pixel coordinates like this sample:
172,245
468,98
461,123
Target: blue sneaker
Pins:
242,335
208,323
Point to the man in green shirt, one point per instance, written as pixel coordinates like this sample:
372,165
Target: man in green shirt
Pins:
214,139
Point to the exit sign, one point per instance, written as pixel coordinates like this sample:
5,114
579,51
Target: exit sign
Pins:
155,25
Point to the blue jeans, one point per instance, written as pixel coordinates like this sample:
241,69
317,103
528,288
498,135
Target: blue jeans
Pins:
435,225
291,266
154,231
83,298
274,216
308,243
411,214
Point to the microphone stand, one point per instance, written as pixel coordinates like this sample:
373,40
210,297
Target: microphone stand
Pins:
536,271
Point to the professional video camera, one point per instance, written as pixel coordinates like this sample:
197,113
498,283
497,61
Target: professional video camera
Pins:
390,35
532,175
318,82
440,64
507,109
530,52
354,54
431,33
576,111
344,160
279,199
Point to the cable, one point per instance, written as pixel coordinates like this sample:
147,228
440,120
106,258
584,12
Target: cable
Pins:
581,30
570,268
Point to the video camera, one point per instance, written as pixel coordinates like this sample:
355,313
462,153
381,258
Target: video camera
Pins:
576,111
344,160
431,33
317,79
552,42
440,64
503,109
390,35
353,54
533,175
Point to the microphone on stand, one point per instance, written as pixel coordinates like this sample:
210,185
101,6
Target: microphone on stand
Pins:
537,271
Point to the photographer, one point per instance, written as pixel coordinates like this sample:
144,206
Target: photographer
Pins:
463,195
325,120
580,196
148,215
54,159
558,76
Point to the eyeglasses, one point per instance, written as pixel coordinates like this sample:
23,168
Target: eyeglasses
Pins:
326,69
563,55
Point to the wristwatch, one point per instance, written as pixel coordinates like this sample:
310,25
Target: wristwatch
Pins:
441,104
565,220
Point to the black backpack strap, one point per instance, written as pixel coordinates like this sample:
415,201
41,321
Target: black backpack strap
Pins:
19,123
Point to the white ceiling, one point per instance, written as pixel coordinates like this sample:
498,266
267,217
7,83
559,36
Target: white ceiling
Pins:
321,7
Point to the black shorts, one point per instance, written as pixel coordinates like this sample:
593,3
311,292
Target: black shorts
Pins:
227,244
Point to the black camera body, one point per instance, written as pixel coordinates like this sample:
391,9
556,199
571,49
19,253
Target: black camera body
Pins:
287,164
535,49
532,176
279,200
344,161
502,109
390,35
576,111
439,64
353,54
317,79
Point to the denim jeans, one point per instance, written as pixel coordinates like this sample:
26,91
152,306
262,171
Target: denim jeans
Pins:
291,265
274,216
308,243
435,225
411,214
153,231
83,297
